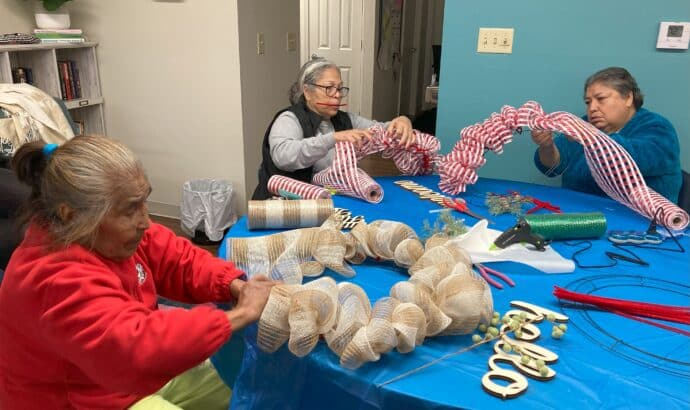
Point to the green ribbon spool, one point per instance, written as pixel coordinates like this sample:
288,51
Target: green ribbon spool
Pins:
568,226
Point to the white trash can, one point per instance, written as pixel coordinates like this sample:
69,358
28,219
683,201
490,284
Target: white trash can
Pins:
207,208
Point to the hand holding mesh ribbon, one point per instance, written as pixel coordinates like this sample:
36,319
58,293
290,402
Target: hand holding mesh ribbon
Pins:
611,165
419,158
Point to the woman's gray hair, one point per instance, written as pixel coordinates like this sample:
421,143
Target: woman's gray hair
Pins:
620,80
309,74
85,173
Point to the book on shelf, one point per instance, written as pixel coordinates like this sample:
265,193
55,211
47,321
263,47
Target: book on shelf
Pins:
70,85
69,31
62,40
56,35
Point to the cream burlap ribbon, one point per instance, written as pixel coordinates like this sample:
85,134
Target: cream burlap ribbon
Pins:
442,295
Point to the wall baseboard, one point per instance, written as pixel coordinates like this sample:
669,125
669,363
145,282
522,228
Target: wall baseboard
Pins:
163,209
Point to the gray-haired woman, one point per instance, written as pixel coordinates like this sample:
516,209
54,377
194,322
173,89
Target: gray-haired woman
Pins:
300,139
614,106
80,325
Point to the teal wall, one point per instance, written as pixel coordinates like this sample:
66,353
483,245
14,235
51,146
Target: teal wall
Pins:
557,45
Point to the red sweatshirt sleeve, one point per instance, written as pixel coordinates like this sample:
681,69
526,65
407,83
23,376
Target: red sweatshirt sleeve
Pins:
89,320
185,272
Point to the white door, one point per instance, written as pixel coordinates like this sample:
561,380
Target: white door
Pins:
333,29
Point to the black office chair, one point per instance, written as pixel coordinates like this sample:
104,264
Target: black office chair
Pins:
684,197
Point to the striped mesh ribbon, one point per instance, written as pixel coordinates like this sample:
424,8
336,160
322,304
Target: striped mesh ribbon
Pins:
345,177
278,183
417,159
611,165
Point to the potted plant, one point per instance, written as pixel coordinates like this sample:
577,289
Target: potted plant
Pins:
51,14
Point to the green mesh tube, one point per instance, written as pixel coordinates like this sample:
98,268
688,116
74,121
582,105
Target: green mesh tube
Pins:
568,226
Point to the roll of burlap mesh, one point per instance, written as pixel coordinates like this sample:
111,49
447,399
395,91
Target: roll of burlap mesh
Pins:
301,213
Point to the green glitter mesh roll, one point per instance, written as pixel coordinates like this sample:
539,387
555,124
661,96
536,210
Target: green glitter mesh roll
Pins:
568,226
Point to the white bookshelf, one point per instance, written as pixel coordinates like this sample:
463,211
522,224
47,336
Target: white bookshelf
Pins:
43,61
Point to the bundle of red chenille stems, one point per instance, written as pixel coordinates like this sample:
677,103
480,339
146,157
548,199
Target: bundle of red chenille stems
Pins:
611,165
632,309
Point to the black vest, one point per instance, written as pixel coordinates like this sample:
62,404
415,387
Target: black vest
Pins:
309,121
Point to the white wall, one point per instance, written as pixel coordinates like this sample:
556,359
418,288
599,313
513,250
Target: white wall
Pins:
173,88
171,82
265,78
16,16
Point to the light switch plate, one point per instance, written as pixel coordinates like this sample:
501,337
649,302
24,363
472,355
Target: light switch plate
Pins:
674,36
495,40
260,44
291,41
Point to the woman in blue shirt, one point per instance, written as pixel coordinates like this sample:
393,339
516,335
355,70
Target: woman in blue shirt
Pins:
614,106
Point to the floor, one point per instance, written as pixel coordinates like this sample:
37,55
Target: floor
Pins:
174,225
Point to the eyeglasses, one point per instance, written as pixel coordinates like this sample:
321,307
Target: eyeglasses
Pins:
331,90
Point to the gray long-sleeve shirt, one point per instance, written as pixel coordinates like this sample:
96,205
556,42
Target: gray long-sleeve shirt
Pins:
290,151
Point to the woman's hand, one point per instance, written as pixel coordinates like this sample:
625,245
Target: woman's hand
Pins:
355,136
542,138
549,155
401,127
251,300
236,286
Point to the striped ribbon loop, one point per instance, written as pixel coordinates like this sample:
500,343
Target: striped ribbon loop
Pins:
345,177
611,165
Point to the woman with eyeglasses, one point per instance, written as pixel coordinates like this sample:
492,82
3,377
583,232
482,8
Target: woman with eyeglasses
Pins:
300,140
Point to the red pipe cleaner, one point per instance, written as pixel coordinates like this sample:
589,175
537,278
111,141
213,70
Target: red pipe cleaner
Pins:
632,309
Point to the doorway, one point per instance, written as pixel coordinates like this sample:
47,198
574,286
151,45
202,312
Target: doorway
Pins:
352,33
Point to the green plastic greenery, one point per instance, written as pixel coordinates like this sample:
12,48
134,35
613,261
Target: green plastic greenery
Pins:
446,224
52,5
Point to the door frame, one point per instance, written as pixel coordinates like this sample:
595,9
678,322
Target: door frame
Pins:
368,49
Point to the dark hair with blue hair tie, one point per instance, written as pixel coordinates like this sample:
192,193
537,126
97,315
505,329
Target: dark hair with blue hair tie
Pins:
48,150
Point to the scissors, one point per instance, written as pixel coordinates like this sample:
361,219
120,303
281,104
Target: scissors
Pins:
485,272
538,204
460,206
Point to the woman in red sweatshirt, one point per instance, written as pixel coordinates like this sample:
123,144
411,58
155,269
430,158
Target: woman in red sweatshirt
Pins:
79,323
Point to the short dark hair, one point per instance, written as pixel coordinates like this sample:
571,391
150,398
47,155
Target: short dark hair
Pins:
620,80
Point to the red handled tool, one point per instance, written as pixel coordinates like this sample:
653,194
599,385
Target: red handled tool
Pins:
460,206
485,272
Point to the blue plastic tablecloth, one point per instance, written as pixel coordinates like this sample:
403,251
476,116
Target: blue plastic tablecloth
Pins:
606,361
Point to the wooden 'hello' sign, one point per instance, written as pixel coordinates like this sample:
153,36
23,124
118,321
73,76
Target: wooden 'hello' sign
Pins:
537,356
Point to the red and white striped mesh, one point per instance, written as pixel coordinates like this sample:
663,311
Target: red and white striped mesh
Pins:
302,189
612,167
344,176
417,159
